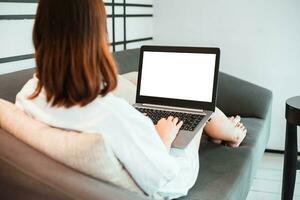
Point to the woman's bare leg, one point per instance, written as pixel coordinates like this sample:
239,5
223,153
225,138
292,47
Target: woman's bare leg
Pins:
228,129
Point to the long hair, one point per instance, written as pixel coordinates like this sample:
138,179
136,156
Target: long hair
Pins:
73,61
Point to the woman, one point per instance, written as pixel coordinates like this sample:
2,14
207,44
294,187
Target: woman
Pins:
71,89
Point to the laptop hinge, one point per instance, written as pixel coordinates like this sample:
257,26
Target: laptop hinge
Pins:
173,107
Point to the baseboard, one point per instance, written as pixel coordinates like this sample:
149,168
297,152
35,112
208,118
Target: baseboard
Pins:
277,151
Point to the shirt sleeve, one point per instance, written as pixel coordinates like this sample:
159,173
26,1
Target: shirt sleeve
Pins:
137,145
188,160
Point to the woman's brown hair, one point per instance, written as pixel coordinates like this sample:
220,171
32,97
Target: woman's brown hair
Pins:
73,62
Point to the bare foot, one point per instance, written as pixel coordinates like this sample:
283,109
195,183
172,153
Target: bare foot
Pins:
221,128
235,120
241,132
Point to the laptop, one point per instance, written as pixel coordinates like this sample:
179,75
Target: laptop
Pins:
179,82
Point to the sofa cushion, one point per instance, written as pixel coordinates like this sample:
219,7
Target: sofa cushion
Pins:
131,76
225,172
84,152
126,87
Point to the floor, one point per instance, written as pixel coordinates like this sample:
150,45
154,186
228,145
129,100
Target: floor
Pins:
268,180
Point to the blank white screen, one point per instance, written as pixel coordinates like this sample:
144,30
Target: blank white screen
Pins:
186,76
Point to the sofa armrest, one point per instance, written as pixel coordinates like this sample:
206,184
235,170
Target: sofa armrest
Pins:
239,97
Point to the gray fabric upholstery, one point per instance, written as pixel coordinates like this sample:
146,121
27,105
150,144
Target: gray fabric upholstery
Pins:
249,99
225,173
127,61
11,83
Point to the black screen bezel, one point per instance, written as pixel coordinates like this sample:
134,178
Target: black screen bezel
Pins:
179,102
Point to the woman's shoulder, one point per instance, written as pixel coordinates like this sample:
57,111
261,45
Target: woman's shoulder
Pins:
26,91
123,110
30,85
116,103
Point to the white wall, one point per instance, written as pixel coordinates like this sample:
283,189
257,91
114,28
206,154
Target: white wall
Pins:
259,41
16,35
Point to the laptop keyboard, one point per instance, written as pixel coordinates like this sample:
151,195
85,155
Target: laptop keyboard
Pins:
190,121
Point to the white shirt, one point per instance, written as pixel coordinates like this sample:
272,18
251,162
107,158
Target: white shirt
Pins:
130,134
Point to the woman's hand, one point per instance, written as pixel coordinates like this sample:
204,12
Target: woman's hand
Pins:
168,129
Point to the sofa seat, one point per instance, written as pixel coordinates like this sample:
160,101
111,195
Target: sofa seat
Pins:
225,172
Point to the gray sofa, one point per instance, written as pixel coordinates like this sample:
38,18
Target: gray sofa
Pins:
225,173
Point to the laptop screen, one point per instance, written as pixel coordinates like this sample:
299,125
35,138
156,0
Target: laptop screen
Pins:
176,75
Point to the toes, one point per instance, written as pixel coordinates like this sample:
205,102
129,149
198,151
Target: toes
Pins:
231,118
238,125
237,119
244,128
239,139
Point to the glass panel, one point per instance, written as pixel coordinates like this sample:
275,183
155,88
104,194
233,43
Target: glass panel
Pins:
120,47
119,10
108,10
138,10
139,27
109,29
119,29
18,8
140,1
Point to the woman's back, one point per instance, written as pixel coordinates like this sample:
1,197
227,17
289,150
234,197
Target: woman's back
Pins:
71,89
130,134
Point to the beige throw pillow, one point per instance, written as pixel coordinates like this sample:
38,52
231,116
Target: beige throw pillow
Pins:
131,76
127,87
84,152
